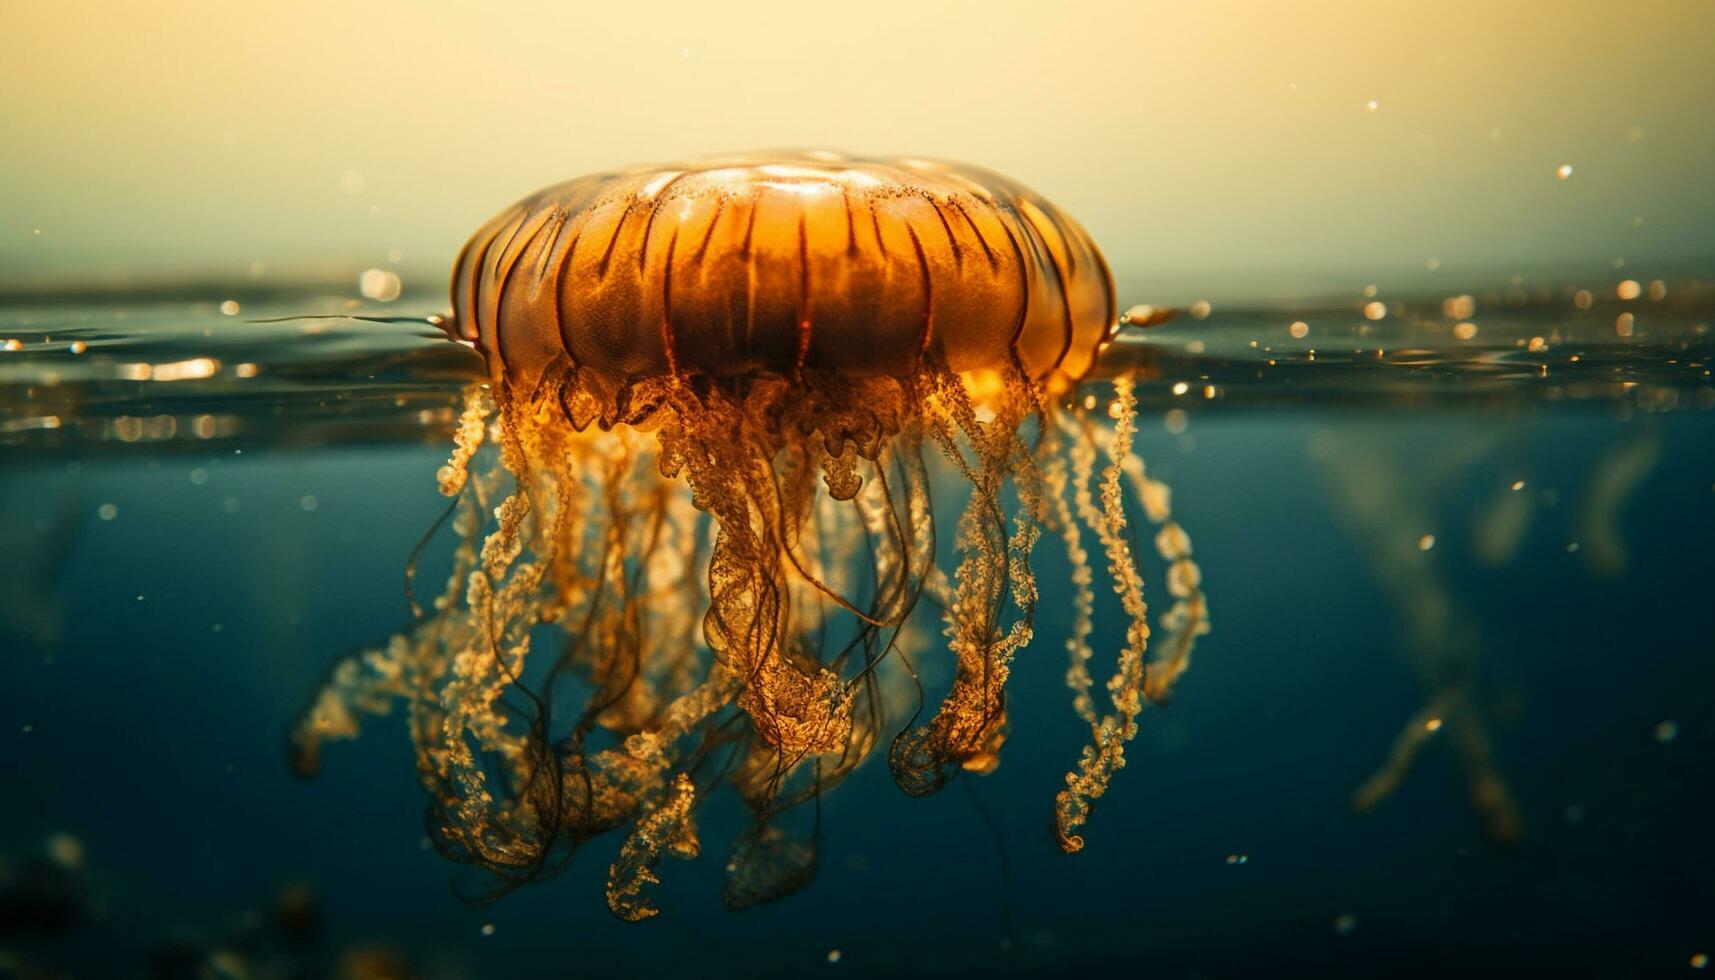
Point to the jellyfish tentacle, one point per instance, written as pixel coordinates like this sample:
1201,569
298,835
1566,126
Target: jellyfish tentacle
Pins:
1105,754
1059,517
1134,678
597,536
467,439
1188,617
667,829
969,727
769,861
796,705
790,505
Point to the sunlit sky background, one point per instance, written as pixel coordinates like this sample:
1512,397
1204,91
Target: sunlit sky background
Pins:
1228,145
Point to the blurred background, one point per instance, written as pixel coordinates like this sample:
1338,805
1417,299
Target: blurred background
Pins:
1236,150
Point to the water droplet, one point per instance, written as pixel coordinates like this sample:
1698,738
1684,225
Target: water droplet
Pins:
1141,313
379,284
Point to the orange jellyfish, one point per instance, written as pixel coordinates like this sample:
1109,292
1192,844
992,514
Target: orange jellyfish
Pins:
719,394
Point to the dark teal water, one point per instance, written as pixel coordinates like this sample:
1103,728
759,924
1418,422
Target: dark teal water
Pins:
185,555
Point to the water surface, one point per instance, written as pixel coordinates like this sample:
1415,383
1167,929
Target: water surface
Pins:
1396,516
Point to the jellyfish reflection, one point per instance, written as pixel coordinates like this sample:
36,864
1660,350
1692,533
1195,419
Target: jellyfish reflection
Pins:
1441,636
1439,639
720,395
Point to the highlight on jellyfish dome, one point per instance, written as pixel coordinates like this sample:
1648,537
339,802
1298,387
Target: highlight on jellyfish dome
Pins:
727,400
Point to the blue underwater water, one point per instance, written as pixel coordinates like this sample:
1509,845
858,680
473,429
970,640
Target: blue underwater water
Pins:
184,560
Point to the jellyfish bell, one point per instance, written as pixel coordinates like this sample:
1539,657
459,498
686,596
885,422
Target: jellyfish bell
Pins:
721,392
783,265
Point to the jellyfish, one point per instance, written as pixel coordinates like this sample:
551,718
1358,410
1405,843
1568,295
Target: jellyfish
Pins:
719,395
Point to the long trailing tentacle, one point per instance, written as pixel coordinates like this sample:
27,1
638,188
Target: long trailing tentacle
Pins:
695,582
1134,678
968,729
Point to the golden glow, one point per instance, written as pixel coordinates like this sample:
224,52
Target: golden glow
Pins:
192,369
1459,307
379,284
287,135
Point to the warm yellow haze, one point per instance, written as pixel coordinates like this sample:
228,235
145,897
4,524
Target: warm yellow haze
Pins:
1195,140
